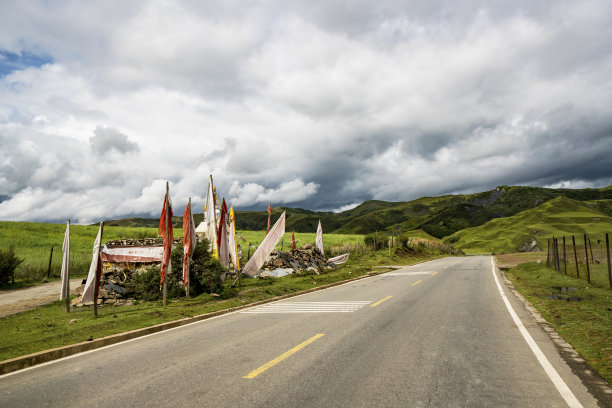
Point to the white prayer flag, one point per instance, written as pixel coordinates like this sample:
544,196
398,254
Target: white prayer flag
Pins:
94,271
266,246
65,287
210,216
320,238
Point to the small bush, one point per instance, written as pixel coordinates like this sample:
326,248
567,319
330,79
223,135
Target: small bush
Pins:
8,264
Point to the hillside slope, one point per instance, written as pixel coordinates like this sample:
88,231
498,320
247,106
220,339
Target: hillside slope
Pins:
438,216
559,216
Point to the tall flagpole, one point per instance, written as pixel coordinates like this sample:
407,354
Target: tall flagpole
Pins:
188,258
67,273
165,290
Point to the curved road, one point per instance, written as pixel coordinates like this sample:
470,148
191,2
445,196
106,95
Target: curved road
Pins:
438,334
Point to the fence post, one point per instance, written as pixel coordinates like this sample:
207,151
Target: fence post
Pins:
557,252
548,254
609,266
564,258
49,267
586,256
575,257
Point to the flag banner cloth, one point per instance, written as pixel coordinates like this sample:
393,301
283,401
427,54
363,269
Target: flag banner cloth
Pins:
340,259
222,236
95,269
189,240
293,241
233,245
65,287
148,254
269,216
266,246
320,238
166,233
210,217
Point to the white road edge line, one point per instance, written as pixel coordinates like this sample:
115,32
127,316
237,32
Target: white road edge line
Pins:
175,328
554,376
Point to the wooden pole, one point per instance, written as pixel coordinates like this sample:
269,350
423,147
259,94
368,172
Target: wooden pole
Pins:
586,256
548,254
98,273
609,266
564,258
557,252
49,267
68,275
165,288
575,257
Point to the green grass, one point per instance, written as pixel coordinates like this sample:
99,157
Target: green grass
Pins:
560,216
301,238
585,324
49,326
32,242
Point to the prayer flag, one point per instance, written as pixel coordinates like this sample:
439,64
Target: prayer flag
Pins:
65,287
222,241
95,269
233,244
269,215
165,231
266,246
320,238
210,217
189,240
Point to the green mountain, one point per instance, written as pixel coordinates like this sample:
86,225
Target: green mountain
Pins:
438,216
560,216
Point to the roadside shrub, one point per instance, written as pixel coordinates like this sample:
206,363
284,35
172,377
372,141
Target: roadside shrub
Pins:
8,264
145,285
204,270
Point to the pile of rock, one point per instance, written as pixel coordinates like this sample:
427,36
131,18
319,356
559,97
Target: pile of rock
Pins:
308,257
530,246
112,287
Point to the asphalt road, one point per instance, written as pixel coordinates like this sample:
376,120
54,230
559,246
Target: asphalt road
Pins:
433,335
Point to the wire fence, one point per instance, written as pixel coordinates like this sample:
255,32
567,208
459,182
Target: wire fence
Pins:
584,257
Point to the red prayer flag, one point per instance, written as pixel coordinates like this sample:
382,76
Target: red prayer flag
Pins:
166,233
269,215
292,241
189,240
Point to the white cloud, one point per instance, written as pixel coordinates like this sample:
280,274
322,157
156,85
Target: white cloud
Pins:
296,104
287,192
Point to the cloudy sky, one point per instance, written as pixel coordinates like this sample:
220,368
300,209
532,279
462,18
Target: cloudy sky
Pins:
319,105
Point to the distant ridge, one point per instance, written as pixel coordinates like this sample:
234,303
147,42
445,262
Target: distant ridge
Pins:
439,216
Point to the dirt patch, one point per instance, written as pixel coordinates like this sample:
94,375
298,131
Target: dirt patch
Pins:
507,261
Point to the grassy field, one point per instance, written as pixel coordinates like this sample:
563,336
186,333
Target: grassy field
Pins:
560,216
32,242
301,238
50,326
586,324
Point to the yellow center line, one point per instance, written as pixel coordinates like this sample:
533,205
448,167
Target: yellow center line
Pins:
434,273
380,301
283,356
416,283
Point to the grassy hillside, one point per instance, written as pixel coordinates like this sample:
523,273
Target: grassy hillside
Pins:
560,216
438,216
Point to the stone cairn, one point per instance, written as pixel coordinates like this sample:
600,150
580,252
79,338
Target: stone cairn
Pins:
307,257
